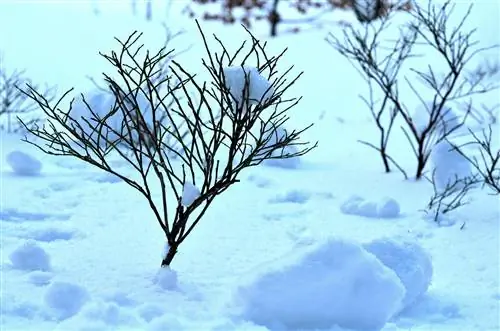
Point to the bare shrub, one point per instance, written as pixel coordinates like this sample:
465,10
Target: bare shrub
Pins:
225,137
249,12
487,163
451,197
383,63
14,103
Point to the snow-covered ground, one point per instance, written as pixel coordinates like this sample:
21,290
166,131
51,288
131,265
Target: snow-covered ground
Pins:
332,243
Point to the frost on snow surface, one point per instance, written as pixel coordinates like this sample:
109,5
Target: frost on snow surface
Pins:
29,256
259,88
409,261
189,194
337,283
23,164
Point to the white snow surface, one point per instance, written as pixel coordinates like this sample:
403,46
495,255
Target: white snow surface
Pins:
82,250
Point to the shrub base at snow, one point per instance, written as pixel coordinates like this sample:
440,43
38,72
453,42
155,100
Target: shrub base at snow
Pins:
166,278
409,261
23,164
335,283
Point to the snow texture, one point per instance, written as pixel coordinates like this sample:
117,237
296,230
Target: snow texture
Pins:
29,256
259,88
166,278
449,165
23,164
189,194
388,208
351,288
40,278
65,299
385,208
293,196
410,261
286,163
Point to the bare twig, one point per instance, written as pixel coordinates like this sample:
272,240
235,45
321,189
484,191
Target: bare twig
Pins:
488,162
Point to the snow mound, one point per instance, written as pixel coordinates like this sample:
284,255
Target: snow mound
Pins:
29,257
23,164
351,289
292,196
259,88
388,208
385,208
409,261
166,278
65,299
449,165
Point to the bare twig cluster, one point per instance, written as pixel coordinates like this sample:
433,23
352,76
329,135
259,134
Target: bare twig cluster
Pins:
453,196
224,136
156,78
383,64
249,12
487,163
14,103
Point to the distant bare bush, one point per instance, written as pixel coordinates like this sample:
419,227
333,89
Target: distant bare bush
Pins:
383,62
250,12
14,103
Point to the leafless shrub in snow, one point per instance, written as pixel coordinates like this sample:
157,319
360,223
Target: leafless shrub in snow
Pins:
382,64
14,103
451,197
224,137
487,164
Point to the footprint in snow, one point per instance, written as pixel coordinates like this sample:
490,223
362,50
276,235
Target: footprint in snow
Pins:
15,215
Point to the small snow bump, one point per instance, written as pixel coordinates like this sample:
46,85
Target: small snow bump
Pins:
351,205
23,164
166,278
388,208
293,196
65,299
29,257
